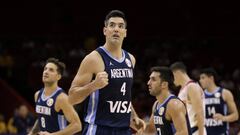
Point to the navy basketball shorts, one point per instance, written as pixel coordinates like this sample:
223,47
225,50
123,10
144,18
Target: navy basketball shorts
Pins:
92,129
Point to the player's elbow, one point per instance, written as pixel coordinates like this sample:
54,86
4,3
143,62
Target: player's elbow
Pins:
182,132
77,126
72,98
236,116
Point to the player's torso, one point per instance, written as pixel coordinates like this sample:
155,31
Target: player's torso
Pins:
164,126
111,106
215,104
49,119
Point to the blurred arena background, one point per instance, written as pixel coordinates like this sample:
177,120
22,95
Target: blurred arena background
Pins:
204,34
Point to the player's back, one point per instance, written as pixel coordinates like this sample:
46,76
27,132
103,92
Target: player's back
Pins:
49,120
111,105
215,104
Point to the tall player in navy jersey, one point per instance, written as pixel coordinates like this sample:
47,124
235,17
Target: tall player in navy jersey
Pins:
52,105
220,106
169,115
104,81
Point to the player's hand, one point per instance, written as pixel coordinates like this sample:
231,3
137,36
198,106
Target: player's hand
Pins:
218,116
44,133
138,124
101,80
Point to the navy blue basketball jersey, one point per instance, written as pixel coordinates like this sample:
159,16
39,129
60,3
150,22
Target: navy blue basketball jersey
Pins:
164,126
111,105
49,120
214,103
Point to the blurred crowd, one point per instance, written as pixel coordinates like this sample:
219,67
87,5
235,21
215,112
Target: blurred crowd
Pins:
21,65
19,124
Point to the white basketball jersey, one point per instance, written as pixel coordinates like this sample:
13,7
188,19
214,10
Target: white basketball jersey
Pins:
184,97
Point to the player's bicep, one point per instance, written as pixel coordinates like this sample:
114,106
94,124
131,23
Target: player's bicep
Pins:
194,94
230,101
88,67
68,110
177,112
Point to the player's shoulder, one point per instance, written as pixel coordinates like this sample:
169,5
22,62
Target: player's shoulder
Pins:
226,93
93,58
194,86
175,104
62,97
36,95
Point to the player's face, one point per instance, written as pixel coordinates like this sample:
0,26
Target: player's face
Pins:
154,84
204,81
50,73
115,31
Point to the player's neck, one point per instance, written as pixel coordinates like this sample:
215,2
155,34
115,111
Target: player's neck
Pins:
212,88
163,96
114,50
185,79
50,88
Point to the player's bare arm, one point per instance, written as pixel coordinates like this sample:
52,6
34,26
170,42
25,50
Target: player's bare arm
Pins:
194,95
150,127
82,85
177,113
232,109
35,129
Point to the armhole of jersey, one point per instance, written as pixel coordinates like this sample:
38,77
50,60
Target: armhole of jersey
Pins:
127,55
58,94
39,95
98,50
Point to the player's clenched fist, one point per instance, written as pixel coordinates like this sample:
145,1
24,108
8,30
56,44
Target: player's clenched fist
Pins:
101,80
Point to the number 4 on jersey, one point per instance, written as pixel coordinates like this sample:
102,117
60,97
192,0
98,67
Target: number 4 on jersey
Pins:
123,88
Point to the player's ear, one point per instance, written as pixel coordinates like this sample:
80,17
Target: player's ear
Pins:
104,30
59,76
125,34
164,84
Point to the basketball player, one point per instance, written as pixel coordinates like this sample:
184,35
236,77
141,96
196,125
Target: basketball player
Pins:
220,106
104,81
52,105
169,115
192,95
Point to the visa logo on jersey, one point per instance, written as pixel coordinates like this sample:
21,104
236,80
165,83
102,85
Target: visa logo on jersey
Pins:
120,106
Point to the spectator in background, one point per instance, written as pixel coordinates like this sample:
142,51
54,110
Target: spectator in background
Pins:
3,128
23,120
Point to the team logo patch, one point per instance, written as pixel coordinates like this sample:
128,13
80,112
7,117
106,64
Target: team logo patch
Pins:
128,62
161,110
50,102
217,95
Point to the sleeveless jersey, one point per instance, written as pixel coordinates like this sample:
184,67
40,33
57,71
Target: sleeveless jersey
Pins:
49,120
215,104
184,97
164,126
111,105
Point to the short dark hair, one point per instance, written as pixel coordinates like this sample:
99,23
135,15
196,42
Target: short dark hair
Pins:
60,65
115,13
165,74
210,72
178,66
